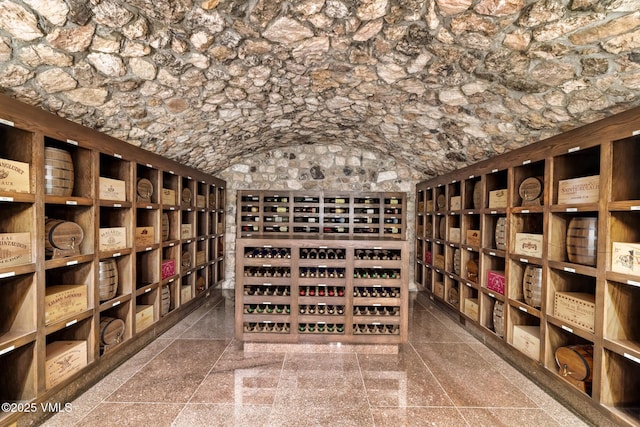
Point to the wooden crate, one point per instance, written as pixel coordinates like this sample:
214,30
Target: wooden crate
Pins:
625,258
473,237
471,307
145,236
14,176
15,249
496,281
186,231
528,244
579,190
454,235
168,196
63,359
498,199
112,189
168,268
455,203
577,308
112,238
527,340
144,317
61,301
185,293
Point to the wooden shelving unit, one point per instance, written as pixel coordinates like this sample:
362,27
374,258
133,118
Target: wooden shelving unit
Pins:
288,213
321,267
119,225
322,290
482,212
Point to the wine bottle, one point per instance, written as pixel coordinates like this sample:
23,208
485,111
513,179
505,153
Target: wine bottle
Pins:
311,309
340,309
339,328
303,309
321,309
313,254
322,254
302,327
331,254
321,291
330,309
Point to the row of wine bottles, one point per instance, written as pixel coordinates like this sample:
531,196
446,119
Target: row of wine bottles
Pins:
267,272
267,309
322,272
267,290
366,310
321,291
377,254
322,253
314,199
375,292
376,273
376,329
319,328
267,253
267,327
322,309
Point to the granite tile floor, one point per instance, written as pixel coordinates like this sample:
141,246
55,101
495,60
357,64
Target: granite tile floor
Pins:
196,374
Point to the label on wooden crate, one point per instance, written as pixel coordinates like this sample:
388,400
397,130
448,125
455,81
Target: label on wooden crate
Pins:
63,359
625,258
145,236
473,237
168,196
62,301
14,176
185,294
576,308
15,249
471,307
455,203
112,189
186,231
496,281
579,190
113,238
144,317
200,201
168,268
454,235
497,199
527,340
528,244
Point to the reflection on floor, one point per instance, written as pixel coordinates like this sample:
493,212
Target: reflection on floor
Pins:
196,374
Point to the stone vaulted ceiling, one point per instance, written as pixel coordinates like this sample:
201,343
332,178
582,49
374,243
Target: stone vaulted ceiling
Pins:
437,84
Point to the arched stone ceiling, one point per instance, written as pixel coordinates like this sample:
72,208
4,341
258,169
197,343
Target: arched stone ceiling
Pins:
437,84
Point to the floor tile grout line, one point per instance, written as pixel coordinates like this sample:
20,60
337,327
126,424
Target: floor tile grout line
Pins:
272,413
364,387
432,373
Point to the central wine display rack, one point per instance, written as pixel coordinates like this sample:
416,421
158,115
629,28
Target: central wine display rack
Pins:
321,290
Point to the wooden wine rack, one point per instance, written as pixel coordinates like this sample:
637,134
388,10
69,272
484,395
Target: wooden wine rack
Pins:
196,227
351,291
458,213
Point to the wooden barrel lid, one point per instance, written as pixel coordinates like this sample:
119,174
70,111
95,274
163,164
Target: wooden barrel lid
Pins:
63,235
477,195
501,233
186,195
144,188
200,283
576,361
111,330
429,229
186,259
530,189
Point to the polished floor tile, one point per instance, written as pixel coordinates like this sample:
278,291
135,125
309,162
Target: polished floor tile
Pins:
197,374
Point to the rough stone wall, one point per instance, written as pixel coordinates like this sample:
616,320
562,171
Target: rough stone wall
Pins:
326,167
